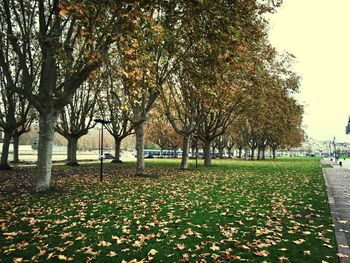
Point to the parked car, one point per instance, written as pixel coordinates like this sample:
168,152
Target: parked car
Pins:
107,156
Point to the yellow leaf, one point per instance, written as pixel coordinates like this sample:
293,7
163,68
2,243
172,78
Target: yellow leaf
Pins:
112,254
12,234
214,247
62,257
300,241
152,252
262,253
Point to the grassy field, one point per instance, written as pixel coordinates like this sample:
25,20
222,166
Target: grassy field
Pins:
273,211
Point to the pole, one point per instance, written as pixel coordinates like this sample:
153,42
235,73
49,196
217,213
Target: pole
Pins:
196,152
101,168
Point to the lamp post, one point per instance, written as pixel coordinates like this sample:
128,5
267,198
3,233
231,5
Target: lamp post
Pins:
103,122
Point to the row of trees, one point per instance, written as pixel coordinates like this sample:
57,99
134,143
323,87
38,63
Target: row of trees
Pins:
203,61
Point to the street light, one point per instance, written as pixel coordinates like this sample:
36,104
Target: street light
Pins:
103,122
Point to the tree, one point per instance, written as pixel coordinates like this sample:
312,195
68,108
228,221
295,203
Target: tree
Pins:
64,42
181,106
16,115
159,130
25,117
113,107
76,118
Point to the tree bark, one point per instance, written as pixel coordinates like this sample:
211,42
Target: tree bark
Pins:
240,153
229,151
252,153
15,148
5,151
140,160
193,152
72,151
185,148
117,150
221,152
206,152
273,153
263,150
246,153
259,153
47,124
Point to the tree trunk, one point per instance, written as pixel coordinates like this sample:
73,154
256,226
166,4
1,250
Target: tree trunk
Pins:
246,153
140,160
263,150
72,151
213,152
206,152
117,150
221,152
229,151
193,152
5,151
47,124
259,153
273,153
185,148
252,153
15,148
240,152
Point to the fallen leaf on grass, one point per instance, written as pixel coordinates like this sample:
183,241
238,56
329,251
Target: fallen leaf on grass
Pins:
111,254
299,241
12,234
215,247
152,252
262,253
180,246
104,244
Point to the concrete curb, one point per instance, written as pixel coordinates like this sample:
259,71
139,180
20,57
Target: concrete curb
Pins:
342,242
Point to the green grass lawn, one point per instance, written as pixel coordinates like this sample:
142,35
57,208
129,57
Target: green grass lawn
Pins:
273,211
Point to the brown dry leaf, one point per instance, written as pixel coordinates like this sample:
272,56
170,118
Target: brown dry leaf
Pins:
299,241
262,253
111,254
180,246
12,234
186,257
340,255
215,247
62,257
152,252
104,244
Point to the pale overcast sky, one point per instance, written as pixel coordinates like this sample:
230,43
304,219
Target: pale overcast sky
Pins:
317,32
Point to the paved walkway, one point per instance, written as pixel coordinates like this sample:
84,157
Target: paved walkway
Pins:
338,189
